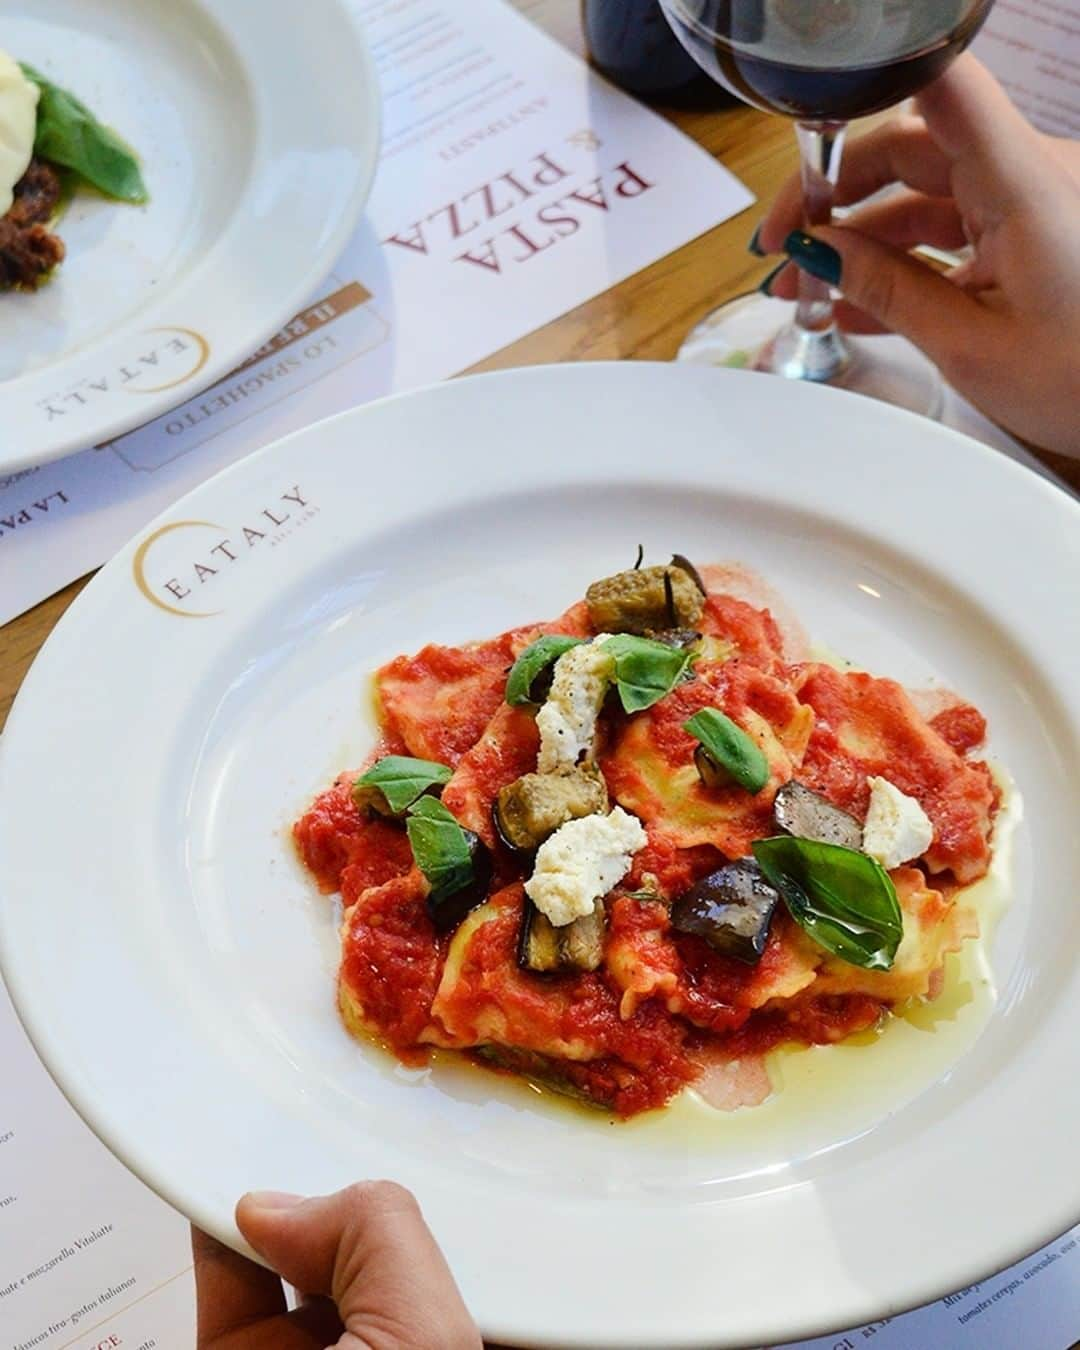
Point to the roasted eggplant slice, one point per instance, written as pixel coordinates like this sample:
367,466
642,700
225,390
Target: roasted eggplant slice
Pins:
731,909
542,1069
806,814
545,949
677,560
710,771
448,910
581,943
533,806
538,945
679,638
642,601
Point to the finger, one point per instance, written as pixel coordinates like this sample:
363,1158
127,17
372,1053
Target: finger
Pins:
974,122
907,219
898,151
907,297
369,1248
784,284
848,318
851,319
230,1291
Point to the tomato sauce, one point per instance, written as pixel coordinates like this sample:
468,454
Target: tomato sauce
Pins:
961,726
666,869
868,726
391,961
632,1062
343,850
663,1004
505,752
754,633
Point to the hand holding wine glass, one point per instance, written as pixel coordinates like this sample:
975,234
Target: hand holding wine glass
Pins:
1004,328
821,62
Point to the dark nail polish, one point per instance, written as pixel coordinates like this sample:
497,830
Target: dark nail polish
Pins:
766,285
754,245
821,260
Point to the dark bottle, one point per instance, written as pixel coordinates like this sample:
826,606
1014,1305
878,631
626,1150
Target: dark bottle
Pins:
631,43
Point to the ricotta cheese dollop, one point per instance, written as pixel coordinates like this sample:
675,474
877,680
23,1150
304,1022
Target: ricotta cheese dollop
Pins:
567,721
18,125
581,862
897,829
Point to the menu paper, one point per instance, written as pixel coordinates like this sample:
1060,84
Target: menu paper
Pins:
86,1251
1033,47
1035,1305
514,184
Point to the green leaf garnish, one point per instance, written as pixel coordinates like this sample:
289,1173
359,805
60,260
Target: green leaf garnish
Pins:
526,681
645,670
439,847
400,780
70,135
844,900
729,747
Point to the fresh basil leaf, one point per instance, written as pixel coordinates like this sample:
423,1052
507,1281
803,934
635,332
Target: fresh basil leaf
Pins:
526,681
70,135
400,780
440,848
729,747
645,670
844,900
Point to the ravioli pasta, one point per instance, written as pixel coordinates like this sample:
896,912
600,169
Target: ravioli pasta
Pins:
634,1029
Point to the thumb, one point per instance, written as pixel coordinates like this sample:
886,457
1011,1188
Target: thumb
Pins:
901,294
369,1249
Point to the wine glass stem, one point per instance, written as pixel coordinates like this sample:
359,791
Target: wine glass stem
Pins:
810,347
820,147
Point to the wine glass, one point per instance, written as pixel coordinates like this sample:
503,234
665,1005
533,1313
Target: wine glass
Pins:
821,62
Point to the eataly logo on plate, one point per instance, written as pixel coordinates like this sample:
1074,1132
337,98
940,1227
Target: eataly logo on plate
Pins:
166,358
184,582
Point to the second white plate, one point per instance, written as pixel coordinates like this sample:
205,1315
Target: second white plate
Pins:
258,135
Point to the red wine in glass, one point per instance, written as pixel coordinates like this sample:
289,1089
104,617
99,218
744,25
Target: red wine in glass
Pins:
831,61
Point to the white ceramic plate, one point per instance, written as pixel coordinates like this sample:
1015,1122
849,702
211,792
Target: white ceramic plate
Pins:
258,135
175,968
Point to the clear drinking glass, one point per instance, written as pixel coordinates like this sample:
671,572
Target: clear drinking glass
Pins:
820,62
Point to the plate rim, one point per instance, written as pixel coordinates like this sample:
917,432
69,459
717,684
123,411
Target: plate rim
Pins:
96,1117
226,356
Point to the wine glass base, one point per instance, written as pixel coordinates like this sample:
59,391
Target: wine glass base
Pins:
889,368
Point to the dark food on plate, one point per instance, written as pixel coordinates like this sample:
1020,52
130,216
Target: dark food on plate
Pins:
527,810
28,248
808,815
646,600
731,909
615,861
46,137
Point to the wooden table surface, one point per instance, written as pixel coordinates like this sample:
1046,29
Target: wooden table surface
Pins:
645,317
